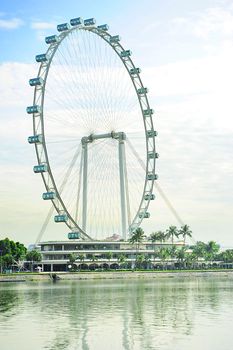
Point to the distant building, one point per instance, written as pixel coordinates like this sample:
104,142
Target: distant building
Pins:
95,254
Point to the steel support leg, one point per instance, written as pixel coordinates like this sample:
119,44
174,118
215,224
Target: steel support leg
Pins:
122,187
85,160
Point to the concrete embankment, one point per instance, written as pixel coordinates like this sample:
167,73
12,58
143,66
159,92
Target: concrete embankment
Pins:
113,275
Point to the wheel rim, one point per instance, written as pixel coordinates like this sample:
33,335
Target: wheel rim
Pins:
43,122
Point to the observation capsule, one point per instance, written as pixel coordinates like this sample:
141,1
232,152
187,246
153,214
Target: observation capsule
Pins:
60,218
151,133
63,27
35,139
76,21
36,81
126,53
41,168
148,112
73,235
115,38
143,90
144,215
103,27
49,195
89,22
153,155
134,71
149,196
51,39
152,176
41,57
33,109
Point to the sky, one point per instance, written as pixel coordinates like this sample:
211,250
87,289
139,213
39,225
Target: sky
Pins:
185,51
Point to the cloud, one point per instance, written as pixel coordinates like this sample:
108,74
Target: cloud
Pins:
41,29
15,89
13,23
213,22
43,25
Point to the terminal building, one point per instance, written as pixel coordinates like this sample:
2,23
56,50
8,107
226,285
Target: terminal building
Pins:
92,255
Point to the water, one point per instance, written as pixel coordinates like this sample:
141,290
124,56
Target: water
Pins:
163,314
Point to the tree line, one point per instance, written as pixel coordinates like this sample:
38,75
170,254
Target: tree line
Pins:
186,256
15,253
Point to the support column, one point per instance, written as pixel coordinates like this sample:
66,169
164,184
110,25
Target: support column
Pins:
85,160
122,186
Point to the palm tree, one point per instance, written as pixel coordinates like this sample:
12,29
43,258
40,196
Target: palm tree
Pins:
156,237
32,256
121,259
162,236
185,232
81,257
171,232
211,248
140,259
163,255
147,262
108,256
94,259
137,237
199,249
173,252
72,258
181,255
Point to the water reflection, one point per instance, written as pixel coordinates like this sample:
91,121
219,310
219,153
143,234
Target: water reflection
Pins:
8,300
149,314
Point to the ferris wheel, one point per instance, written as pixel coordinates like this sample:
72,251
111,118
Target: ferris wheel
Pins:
92,126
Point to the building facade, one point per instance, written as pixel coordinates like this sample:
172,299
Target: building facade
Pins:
98,254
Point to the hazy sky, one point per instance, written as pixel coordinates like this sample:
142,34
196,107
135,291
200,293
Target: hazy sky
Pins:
185,50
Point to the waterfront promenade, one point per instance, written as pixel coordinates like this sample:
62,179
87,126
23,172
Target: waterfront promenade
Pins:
27,277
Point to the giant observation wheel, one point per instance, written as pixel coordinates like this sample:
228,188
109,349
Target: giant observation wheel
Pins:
92,126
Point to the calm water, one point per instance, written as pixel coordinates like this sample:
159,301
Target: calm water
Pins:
171,314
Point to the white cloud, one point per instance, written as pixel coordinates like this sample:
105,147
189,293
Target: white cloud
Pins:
212,22
15,90
13,23
41,29
43,25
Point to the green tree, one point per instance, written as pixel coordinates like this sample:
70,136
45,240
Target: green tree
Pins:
33,256
190,259
185,232
156,237
163,255
72,258
211,250
181,255
139,260
199,249
173,253
171,232
92,257
136,238
226,256
147,262
81,258
121,259
11,252
108,256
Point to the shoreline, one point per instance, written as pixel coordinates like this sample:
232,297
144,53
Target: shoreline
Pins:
62,276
